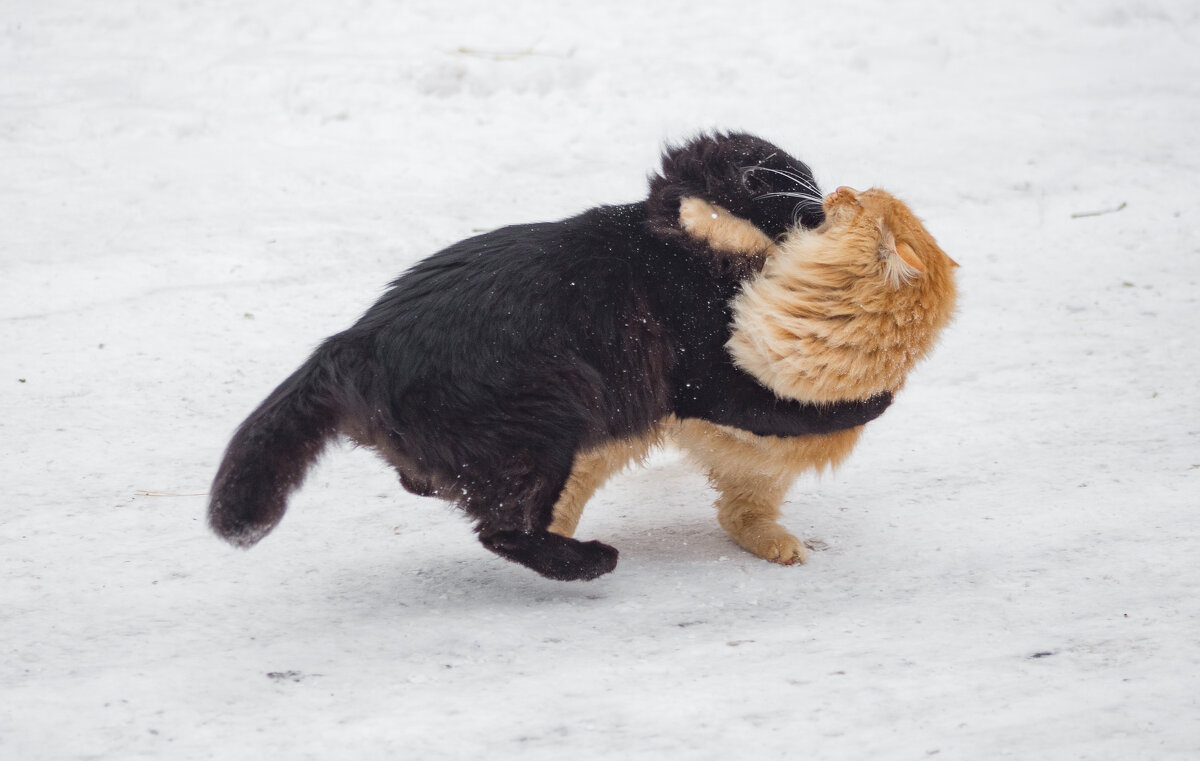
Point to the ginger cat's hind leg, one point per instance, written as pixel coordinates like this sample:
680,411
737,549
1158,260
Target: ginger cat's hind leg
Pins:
589,474
591,470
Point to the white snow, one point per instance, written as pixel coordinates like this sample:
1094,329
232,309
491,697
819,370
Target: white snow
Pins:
195,193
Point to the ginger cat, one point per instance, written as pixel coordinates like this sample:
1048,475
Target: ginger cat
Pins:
839,312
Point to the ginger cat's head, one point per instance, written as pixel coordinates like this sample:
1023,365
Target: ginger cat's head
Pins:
845,311
877,220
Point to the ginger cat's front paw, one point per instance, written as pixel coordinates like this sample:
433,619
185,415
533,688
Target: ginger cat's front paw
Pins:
721,230
771,541
774,543
696,217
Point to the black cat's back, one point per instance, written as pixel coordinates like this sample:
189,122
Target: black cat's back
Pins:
557,318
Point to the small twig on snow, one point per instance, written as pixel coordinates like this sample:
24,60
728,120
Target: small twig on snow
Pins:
1081,214
510,55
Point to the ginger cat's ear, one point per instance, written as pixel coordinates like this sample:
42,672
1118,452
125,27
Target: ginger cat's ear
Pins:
902,250
905,252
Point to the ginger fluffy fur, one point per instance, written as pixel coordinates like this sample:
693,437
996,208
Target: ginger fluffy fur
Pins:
841,312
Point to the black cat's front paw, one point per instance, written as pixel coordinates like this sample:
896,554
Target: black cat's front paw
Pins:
553,556
597,559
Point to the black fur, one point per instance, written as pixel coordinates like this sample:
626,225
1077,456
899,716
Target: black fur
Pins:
486,367
748,176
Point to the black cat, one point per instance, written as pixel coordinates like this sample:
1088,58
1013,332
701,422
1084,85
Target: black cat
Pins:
486,367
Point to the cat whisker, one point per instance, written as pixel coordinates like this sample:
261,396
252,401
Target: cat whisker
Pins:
800,180
796,178
798,211
802,196
805,202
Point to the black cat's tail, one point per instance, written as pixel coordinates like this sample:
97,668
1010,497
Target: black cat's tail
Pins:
273,448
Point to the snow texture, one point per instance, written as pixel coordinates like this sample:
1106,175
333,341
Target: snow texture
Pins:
195,193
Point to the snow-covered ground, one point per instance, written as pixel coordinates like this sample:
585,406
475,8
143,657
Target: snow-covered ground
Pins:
194,193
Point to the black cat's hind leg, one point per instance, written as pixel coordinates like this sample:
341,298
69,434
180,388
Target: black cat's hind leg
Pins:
515,510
